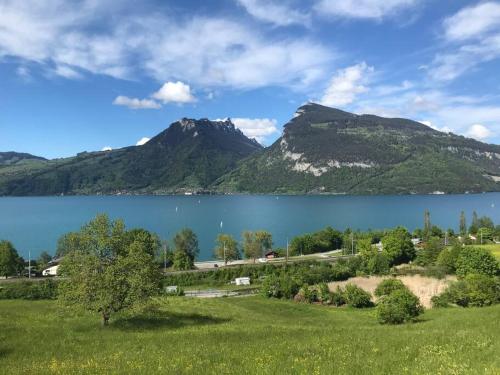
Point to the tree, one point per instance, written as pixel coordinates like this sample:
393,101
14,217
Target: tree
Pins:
302,245
43,260
475,260
251,247
264,240
10,262
475,223
463,224
398,247
427,223
387,286
107,274
430,252
226,248
186,249
449,256
67,243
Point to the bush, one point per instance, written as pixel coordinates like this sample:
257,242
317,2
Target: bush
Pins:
398,307
337,297
388,286
31,290
448,258
475,260
306,295
357,297
324,295
473,290
378,264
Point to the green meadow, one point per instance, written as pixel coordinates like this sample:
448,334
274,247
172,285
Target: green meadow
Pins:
248,335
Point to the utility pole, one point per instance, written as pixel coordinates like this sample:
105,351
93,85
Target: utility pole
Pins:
352,243
225,261
29,264
164,258
446,238
286,262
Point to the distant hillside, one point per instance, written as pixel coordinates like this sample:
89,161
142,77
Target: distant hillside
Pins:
325,150
11,158
189,155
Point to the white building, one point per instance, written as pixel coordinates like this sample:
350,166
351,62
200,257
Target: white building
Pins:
51,271
242,281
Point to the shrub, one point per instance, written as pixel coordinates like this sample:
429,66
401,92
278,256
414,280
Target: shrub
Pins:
31,290
337,297
448,258
378,264
324,295
388,286
271,287
475,260
306,294
430,252
473,290
357,297
398,307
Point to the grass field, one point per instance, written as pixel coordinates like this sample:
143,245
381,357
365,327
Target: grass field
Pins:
494,248
246,335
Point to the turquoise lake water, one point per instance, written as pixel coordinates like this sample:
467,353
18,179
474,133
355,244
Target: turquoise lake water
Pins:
35,223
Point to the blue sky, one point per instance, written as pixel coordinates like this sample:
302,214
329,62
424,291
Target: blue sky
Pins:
85,75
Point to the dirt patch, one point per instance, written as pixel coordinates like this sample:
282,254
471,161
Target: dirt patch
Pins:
422,286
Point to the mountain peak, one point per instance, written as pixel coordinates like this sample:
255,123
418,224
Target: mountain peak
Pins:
322,110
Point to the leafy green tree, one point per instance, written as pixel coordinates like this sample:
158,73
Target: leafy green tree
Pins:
430,252
398,247
67,243
256,243
181,261
251,248
43,260
264,240
357,297
427,224
10,262
449,256
108,274
475,260
186,248
463,224
302,245
366,249
151,241
484,234
475,223
226,248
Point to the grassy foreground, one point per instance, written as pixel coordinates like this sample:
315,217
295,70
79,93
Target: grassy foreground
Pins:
246,335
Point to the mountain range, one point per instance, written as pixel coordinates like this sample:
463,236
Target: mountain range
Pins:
321,150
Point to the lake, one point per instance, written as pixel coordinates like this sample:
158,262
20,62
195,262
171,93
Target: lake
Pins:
35,223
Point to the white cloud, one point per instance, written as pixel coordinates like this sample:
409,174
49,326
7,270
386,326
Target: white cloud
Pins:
479,132
473,21
142,141
258,128
346,85
205,51
135,103
444,129
370,9
279,14
477,28
106,148
174,92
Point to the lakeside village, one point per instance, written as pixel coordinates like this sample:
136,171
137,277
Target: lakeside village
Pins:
327,245
429,251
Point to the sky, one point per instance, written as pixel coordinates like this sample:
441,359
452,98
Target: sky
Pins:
94,74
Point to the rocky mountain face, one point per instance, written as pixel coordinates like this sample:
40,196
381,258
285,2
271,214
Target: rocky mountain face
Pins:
188,155
325,150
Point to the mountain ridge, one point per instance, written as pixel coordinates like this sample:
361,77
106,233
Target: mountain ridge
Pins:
322,150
